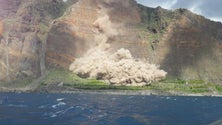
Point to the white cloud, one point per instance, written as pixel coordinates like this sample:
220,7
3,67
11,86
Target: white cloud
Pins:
169,5
196,8
217,19
210,9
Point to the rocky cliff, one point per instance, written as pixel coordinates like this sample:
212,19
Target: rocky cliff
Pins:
53,33
24,30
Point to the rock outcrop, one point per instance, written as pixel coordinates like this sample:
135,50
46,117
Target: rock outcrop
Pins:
25,26
73,33
56,32
184,44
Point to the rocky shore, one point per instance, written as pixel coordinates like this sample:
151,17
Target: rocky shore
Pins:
61,81
55,88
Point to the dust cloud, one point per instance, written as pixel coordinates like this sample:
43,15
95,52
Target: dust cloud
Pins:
118,68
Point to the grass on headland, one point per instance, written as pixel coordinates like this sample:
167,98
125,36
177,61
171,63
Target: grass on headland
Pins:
177,85
66,77
69,79
17,84
218,88
189,86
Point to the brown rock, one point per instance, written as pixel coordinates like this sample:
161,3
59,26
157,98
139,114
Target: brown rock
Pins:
189,46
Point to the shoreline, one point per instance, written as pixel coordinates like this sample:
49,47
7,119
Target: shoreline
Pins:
65,82
69,90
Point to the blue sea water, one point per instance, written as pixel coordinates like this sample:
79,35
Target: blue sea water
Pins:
104,109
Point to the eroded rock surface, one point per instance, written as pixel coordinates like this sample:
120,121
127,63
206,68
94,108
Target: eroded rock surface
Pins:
56,32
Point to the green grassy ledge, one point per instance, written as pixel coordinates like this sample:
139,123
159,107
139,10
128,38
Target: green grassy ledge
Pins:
168,85
61,78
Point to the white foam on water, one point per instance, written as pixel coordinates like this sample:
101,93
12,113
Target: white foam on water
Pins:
19,105
53,116
168,98
80,107
59,104
58,113
60,99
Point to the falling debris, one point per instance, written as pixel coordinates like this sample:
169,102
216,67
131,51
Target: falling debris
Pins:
118,68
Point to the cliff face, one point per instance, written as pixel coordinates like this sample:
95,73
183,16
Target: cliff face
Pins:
189,46
55,32
24,29
194,45
74,33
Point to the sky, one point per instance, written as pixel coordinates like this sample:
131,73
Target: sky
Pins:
211,9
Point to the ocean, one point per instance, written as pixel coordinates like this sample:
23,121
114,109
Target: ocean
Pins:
107,109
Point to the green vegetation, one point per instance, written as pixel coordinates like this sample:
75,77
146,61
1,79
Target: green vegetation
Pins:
149,36
88,86
175,81
154,23
178,87
197,81
156,18
168,85
54,9
69,79
190,86
18,84
218,88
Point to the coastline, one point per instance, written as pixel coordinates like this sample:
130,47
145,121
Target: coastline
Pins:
54,89
61,81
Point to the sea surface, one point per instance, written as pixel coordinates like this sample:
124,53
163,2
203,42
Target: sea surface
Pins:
104,109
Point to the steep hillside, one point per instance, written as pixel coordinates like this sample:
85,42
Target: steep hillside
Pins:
56,32
189,46
25,26
194,48
74,33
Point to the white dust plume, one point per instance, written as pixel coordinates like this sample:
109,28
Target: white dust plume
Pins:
118,68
